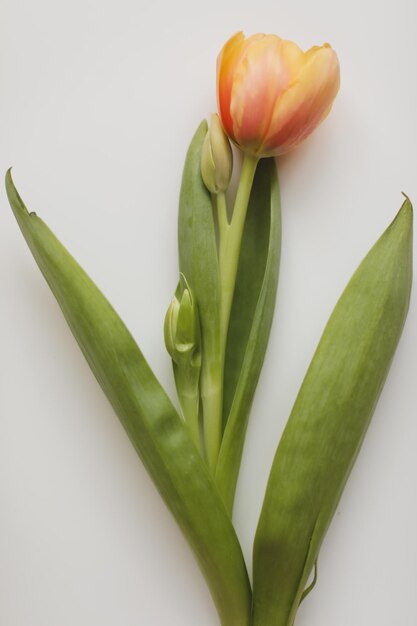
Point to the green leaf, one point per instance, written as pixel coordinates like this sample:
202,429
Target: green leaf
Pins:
328,423
251,319
158,434
197,241
199,264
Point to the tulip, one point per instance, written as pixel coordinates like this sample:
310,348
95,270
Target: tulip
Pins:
271,94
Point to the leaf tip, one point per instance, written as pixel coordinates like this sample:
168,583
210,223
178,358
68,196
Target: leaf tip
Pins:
404,217
15,200
8,177
406,210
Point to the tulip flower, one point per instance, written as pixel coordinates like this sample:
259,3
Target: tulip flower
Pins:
271,94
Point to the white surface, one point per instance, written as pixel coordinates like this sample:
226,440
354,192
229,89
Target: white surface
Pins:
98,103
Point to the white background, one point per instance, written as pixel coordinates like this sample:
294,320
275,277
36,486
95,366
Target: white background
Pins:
98,102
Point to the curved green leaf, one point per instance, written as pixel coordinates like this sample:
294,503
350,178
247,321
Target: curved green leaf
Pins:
328,423
251,319
197,238
158,434
199,264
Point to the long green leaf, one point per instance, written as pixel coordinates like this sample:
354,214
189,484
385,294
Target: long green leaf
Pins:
328,423
199,264
155,429
197,238
251,319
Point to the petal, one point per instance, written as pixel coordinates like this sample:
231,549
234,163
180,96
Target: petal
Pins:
261,76
226,63
293,56
306,102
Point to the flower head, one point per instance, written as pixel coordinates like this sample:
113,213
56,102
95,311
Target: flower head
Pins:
271,94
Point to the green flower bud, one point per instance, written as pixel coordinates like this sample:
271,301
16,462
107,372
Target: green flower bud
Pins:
182,340
182,327
216,158
170,326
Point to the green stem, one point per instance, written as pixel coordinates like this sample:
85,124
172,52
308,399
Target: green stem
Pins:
186,380
189,405
230,237
212,401
222,211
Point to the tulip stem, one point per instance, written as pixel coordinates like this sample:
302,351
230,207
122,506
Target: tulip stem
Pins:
187,383
230,241
230,237
222,218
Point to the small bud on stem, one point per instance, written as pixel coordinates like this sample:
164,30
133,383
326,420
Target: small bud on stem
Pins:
216,158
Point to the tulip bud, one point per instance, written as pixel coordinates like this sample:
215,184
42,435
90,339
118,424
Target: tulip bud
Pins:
182,328
216,158
170,326
182,340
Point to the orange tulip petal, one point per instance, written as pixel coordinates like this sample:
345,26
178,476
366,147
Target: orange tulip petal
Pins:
306,102
293,57
227,60
260,77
